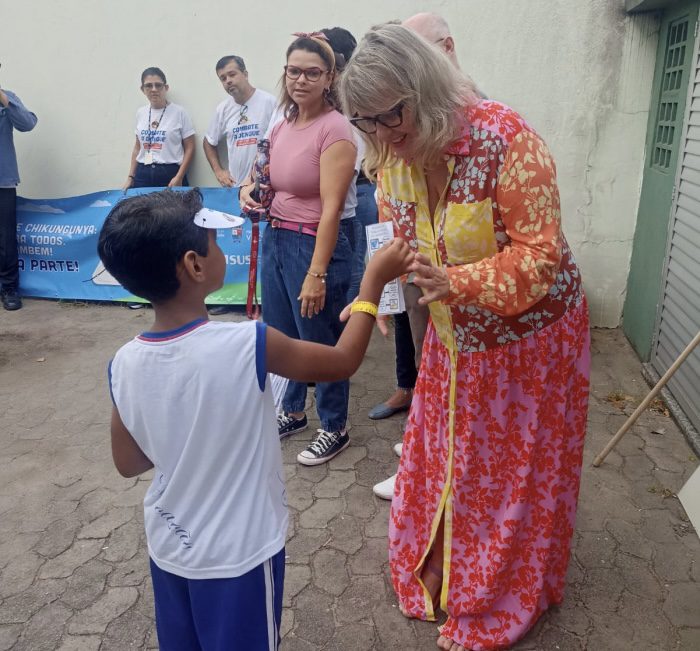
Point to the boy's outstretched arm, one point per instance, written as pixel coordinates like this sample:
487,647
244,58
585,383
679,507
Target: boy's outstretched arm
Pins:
128,457
306,361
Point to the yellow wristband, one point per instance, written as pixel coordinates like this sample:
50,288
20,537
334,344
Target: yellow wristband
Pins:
364,306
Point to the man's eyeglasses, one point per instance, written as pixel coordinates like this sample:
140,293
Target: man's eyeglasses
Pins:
311,74
156,86
391,119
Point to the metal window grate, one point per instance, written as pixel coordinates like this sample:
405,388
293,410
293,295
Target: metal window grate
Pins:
665,132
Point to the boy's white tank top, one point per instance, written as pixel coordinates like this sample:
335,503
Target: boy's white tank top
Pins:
192,400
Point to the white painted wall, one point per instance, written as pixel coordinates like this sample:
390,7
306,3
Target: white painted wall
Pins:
580,72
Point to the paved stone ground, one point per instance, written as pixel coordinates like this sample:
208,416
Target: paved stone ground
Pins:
73,566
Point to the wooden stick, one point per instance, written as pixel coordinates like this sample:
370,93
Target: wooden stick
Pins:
645,403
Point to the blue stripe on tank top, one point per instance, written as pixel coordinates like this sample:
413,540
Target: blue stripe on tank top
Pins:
109,378
168,334
260,353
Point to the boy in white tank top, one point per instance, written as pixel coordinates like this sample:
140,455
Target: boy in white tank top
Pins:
192,399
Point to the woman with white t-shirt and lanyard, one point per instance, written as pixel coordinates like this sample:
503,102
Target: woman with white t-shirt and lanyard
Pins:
164,144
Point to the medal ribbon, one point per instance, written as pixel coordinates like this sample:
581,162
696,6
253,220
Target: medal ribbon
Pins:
252,307
151,128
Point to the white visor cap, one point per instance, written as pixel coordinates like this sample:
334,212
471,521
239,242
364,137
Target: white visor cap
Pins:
207,218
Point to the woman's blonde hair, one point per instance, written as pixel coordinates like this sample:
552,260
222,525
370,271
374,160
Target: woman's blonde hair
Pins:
323,50
394,65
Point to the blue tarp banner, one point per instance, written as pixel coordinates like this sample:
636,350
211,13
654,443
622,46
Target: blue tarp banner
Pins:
57,241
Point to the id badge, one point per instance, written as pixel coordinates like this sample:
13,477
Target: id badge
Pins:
148,158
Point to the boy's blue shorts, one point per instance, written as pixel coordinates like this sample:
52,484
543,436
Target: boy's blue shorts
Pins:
241,613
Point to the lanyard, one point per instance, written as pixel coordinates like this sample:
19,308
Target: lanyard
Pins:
252,304
160,119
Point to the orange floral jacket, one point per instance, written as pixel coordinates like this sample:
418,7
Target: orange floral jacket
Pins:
496,229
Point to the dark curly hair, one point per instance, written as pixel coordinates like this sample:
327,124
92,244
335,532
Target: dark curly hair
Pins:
144,238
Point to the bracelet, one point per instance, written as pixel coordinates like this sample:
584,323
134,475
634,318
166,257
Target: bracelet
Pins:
315,275
132,177
366,307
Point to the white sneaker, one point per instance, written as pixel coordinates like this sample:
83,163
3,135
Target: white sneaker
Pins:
385,489
397,448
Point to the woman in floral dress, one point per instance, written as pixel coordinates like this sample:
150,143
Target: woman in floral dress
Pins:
485,499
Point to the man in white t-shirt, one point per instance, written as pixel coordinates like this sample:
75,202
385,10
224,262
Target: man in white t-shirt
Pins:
242,118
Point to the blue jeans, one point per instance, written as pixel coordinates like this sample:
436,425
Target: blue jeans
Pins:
355,232
157,175
285,259
365,214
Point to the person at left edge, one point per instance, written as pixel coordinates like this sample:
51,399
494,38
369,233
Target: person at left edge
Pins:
164,145
13,115
242,118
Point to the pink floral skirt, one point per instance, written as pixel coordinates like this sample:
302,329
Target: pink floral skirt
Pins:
504,486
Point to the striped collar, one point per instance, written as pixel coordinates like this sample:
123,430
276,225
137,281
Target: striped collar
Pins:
169,335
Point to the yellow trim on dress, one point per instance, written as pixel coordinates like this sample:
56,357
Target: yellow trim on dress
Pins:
441,317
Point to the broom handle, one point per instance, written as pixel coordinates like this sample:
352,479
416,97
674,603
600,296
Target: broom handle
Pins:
645,403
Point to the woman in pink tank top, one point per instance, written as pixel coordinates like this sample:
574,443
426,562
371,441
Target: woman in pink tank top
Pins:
306,261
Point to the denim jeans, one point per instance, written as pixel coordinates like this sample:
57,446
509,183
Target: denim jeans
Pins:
156,175
366,210
365,214
285,259
355,232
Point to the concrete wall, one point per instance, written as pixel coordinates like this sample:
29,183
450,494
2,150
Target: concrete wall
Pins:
580,72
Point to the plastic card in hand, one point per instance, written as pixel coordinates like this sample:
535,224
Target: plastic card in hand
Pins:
392,300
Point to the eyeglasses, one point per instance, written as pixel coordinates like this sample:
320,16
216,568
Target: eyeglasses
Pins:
391,119
156,86
311,74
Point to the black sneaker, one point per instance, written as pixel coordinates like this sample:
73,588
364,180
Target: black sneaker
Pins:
218,310
11,300
287,425
324,448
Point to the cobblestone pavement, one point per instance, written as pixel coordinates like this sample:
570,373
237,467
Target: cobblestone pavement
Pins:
73,565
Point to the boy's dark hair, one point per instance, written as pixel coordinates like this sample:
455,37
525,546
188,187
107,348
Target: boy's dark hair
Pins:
153,72
343,42
224,61
144,238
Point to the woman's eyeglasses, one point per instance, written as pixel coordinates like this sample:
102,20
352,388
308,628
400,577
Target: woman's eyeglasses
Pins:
391,119
311,74
156,86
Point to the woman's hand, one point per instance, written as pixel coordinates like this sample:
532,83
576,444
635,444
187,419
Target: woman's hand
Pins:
246,201
129,182
432,280
176,181
312,296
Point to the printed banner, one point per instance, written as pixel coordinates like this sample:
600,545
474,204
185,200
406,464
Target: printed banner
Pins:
57,241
